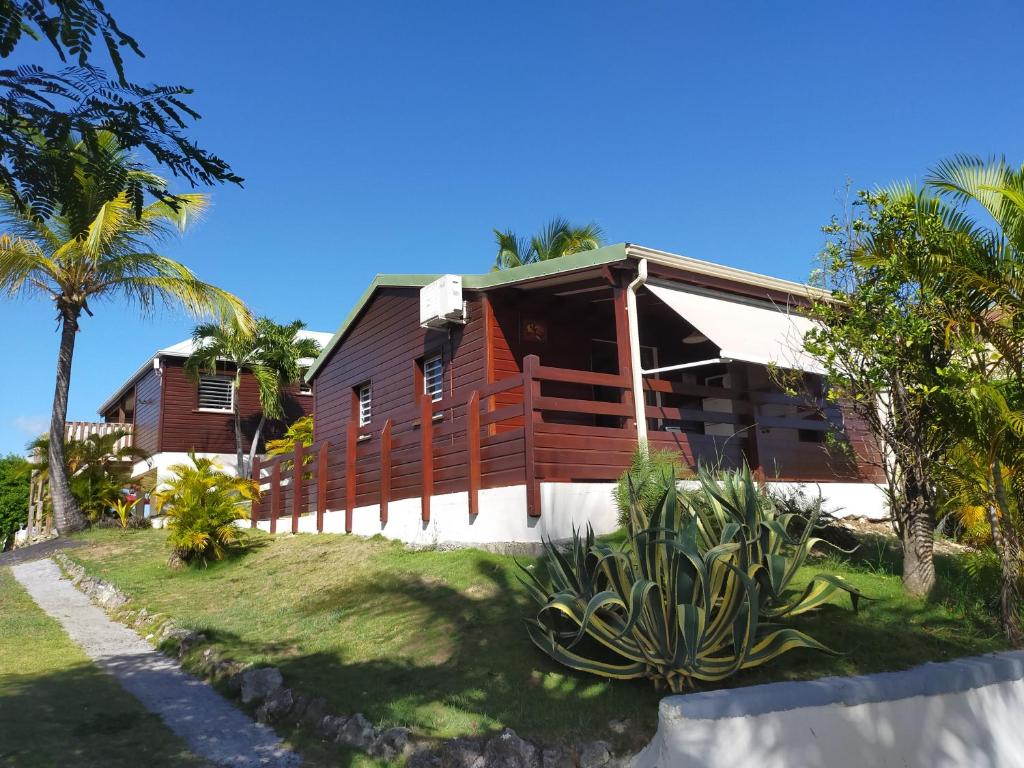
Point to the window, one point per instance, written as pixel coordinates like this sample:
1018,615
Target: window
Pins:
216,393
305,388
433,377
365,393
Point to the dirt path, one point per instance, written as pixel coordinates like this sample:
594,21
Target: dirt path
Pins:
211,726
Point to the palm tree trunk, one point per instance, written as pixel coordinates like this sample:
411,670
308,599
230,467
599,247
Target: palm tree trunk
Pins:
239,438
67,515
917,529
256,440
1008,548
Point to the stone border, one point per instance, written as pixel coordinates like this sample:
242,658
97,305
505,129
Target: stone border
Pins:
263,689
934,678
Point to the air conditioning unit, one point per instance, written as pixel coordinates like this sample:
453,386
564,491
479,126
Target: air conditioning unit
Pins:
441,302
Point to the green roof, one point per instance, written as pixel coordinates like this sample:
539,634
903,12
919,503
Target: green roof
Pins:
607,255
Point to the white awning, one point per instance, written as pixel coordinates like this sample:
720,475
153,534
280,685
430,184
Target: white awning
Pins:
749,331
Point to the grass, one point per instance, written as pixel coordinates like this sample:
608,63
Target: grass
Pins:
434,640
57,708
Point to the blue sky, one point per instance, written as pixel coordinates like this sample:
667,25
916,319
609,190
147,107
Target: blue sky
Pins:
392,137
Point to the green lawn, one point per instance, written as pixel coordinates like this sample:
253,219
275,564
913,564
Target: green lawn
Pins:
434,641
58,709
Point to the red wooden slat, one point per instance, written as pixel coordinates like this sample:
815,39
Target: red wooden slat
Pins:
321,484
590,378
297,458
531,394
572,405
426,456
350,474
385,470
473,449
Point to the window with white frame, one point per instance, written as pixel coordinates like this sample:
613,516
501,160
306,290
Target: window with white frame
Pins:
365,392
433,377
305,388
216,393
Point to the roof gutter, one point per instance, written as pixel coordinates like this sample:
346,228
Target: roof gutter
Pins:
639,401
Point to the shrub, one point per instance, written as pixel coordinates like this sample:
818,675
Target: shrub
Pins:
732,499
15,473
202,504
681,599
645,480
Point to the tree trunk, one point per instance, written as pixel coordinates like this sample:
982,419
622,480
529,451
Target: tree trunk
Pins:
917,530
239,447
66,513
256,440
1007,547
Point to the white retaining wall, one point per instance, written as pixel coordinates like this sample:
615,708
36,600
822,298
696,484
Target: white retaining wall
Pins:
503,517
960,713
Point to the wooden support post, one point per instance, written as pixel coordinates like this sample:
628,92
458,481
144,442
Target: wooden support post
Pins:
473,450
254,516
350,473
385,471
622,349
298,455
321,485
426,454
752,445
275,494
531,391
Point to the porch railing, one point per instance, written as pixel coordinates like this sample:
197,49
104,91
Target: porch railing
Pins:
545,424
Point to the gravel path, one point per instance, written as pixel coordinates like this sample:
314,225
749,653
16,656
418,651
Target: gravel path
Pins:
211,726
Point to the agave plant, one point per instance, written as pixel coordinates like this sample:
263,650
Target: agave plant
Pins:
202,504
657,606
732,501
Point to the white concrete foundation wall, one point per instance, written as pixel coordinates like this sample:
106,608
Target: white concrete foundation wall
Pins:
845,499
164,461
960,713
503,517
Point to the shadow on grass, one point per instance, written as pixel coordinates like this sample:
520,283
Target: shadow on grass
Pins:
79,716
466,664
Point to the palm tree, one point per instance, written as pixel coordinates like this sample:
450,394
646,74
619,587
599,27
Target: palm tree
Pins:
99,245
97,468
558,238
271,352
988,266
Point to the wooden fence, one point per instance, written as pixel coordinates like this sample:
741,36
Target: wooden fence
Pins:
562,425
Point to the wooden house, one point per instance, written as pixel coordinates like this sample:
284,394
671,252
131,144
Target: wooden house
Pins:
169,413
504,407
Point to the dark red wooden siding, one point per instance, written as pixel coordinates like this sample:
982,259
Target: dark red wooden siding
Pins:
383,348
184,427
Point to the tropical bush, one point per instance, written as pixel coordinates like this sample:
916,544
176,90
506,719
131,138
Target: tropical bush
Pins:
645,480
202,504
301,430
98,470
681,600
733,499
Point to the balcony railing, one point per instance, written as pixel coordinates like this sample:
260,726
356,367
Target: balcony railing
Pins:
546,424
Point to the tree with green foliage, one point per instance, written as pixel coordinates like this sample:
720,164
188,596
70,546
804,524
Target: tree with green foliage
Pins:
883,346
47,117
96,248
985,320
202,504
98,469
15,477
272,353
558,238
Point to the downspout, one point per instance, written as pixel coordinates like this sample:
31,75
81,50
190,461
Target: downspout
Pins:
639,402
